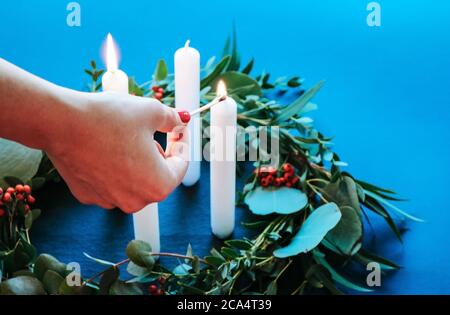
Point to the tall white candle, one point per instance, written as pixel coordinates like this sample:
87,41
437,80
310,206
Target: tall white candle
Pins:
187,97
146,221
223,164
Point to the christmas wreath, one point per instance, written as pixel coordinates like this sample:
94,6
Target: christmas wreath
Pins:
311,213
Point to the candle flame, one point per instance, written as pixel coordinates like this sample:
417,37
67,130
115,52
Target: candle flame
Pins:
221,89
112,62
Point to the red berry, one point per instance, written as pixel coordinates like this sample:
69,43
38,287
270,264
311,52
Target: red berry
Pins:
10,190
264,182
161,280
7,197
19,197
155,88
270,179
295,180
288,184
2,213
27,209
272,170
1,191
263,171
27,189
158,95
282,180
287,167
288,176
30,199
277,182
160,90
160,292
152,289
19,188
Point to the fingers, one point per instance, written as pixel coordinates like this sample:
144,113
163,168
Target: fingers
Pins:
177,152
164,118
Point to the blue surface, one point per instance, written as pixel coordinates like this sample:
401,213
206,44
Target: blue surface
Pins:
386,99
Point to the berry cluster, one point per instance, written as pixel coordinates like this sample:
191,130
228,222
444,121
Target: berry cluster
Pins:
158,92
14,195
153,289
270,176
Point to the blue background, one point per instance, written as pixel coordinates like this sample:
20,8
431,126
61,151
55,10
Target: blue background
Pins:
386,98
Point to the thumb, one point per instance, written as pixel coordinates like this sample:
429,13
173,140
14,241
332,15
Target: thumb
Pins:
166,119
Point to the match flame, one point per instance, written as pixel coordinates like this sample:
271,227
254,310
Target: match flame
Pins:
112,60
221,89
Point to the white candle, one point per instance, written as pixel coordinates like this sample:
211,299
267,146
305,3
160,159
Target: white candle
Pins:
146,223
187,97
223,164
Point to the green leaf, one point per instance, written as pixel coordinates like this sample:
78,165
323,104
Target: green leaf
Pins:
52,281
312,231
347,235
239,244
12,181
284,200
296,106
47,262
181,270
235,60
22,285
108,278
229,253
376,207
372,187
271,288
18,161
366,257
139,252
248,68
320,259
215,73
120,287
343,193
136,270
235,80
28,220
161,70
390,205
215,261
294,82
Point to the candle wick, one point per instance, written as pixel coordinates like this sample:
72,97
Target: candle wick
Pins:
222,98
186,45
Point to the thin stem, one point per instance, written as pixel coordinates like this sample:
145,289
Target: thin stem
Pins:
153,254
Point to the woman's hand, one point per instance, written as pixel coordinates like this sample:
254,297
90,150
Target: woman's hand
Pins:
108,157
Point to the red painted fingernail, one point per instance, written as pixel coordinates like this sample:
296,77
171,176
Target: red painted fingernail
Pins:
184,116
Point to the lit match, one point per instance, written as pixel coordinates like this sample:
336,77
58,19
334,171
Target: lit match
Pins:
209,105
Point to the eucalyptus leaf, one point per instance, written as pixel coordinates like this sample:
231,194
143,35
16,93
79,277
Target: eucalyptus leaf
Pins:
52,281
284,200
312,231
139,252
120,287
22,285
320,259
18,161
343,193
347,235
